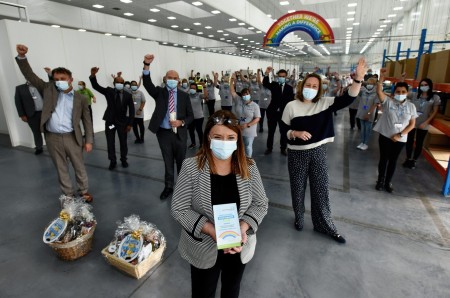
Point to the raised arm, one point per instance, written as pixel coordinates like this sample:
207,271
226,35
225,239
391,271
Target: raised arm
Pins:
94,82
232,88
147,81
26,70
380,93
266,82
360,71
216,79
258,77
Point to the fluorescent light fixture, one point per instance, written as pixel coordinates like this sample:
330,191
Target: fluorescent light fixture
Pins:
241,24
175,44
236,42
193,47
126,1
242,44
152,20
398,8
138,38
352,4
350,19
348,35
226,34
215,12
355,24
174,26
349,28
197,3
251,28
197,24
351,12
228,40
55,26
108,34
232,20
376,33
199,33
239,37
122,36
245,38
164,42
259,31
211,35
252,41
82,30
97,6
187,29
379,30
269,15
291,11
222,38
129,14
219,31
387,21
154,9
383,26
284,2
172,18
184,46
392,15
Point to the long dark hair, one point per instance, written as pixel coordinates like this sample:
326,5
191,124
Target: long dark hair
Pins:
430,91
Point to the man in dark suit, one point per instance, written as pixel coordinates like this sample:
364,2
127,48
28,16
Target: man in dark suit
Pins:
282,93
29,107
116,119
170,119
62,111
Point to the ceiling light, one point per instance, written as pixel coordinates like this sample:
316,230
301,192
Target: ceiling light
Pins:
284,2
210,35
193,47
215,12
228,40
355,24
392,15
226,34
239,37
352,4
242,44
55,26
351,12
108,34
382,26
269,15
82,30
152,20
241,24
197,3
350,19
138,38
187,29
387,21
164,42
172,18
232,20
220,31
126,1
236,42
398,8
174,26
122,36
197,24
128,14
222,38
97,6
184,46
251,28
154,9
245,38
208,27
199,33
376,33
291,11
349,28
259,31
252,41
379,30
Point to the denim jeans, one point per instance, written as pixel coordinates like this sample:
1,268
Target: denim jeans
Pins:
366,131
248,143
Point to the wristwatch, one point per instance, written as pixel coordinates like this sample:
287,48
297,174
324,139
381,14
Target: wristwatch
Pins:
357,81
248,125
182,123
148,64
401,136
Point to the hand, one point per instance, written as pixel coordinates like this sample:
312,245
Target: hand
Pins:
175,123
303,135
396,137
361,69
366,117
209,229
48,70
138,112
149,58
94,71
404,75
216,75
24,118
244,228
423,125
243,126
22,50
128,128
269,69
382,74
119,74
88,147
94,100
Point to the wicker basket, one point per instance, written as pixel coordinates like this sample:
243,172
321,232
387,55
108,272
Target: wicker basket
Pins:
139,270
75,249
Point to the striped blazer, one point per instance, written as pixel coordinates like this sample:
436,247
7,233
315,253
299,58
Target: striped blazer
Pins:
191,207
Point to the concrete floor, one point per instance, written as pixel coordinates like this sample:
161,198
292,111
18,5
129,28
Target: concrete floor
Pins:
398,245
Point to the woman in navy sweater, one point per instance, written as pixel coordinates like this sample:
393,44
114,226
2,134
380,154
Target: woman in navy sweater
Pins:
308,124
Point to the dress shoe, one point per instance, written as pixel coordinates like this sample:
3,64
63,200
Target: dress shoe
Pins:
284,152
298,227
87,197
38,151
137,141
124,164
261,130
388,187
379,185
112,165
166,193
338,238
268,151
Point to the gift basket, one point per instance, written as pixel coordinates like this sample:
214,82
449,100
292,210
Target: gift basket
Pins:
71,234
136,248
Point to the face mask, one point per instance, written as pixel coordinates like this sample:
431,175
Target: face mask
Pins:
172,84
80,87
369,73
62,85
192,91
324,86
333,77
400,97
254,80
127,86
226,85
309,93
246,97
281,80
288,80
118,86
134,88
222,149
424,88
209,84
191,81
369,87
184,85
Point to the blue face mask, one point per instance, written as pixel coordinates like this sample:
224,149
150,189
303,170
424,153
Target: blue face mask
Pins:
62,85
192,91
172,84
281,80
424,88
246,97
309,93
324,86
184,85
400,97
223,149
226,85
134,88
118,86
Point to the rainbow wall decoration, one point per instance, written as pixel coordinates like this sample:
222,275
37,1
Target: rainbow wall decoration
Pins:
301,20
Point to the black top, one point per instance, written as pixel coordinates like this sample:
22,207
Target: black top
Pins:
224,190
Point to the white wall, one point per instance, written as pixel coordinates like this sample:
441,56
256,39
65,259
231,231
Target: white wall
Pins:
79,51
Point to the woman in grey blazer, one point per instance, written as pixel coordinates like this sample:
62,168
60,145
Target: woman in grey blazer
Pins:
220,173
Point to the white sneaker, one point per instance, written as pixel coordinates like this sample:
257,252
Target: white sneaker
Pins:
364,147
360,145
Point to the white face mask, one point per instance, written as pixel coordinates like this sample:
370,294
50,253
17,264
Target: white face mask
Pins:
424,88
369,86
400,97
62,85
309,93
222,149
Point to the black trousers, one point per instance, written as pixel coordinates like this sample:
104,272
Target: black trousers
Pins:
353,119
389,152
227,108
196,125
261,120
138,122
274,119
204,281
173,149
211,103
420,135
110,132
34,122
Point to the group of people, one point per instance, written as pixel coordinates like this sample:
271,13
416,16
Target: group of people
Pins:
222,171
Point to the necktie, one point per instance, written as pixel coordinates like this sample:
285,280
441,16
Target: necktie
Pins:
171,101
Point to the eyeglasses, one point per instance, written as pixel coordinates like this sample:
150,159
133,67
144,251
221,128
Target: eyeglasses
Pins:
223,120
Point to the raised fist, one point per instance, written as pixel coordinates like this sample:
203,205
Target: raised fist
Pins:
48,70
94,70
21,49
149,58
269,69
